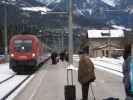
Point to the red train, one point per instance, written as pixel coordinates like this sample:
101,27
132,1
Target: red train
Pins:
26,53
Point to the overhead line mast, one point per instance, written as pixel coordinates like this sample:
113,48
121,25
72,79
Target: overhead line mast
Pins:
70,33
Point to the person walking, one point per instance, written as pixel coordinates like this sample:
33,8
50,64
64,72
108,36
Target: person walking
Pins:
126,71
86,74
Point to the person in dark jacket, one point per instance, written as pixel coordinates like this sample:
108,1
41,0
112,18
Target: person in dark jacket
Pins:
53,57
62,55
67,56
86,74
126,71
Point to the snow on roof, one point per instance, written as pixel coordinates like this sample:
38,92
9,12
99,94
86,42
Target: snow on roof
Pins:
121,28
110,2
105,33
36,9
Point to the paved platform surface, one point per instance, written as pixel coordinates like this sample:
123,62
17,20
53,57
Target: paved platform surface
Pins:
49,82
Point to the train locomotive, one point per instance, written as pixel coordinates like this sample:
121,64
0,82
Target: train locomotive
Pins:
26,53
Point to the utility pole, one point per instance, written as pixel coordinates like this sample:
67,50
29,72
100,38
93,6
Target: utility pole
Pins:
5,32
70,34
59,44
109,41
62,43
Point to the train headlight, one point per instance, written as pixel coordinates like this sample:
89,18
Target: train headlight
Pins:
33,54
12,55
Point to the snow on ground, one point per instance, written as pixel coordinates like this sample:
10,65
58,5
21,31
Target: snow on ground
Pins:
109,64
11,97
6,72
108,70
3,77
4,69
7,86
113,66
118,61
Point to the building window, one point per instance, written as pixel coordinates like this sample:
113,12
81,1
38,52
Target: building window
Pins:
105,34
96,53
107,53
102,52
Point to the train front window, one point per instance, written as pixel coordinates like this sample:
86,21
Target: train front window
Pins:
23,45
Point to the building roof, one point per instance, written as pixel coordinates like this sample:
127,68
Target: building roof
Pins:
105,33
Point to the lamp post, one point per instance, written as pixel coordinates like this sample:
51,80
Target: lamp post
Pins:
109,40
5,32
70,34
62,40
109,43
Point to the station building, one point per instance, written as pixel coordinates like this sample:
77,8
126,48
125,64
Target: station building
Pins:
108,43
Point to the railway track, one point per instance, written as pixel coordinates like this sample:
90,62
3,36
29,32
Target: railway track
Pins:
6,79
7,87
18,80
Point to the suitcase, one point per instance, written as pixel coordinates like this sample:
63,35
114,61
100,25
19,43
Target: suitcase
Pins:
70,89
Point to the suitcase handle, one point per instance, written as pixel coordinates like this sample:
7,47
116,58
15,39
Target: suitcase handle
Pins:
71,76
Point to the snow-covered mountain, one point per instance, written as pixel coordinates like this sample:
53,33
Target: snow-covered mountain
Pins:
21,3
26,5
113,3
19,10
101,11
49,2
89,12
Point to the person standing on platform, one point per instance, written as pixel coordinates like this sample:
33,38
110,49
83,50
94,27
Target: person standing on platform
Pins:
86,74
62,56
67,56
126,71
53,57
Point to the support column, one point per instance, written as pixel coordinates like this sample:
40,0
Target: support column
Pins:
5,32
70,34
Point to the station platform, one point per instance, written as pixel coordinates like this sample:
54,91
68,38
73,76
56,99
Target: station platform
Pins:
49,82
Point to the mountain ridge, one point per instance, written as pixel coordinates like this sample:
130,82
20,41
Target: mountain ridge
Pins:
89,12
99,10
